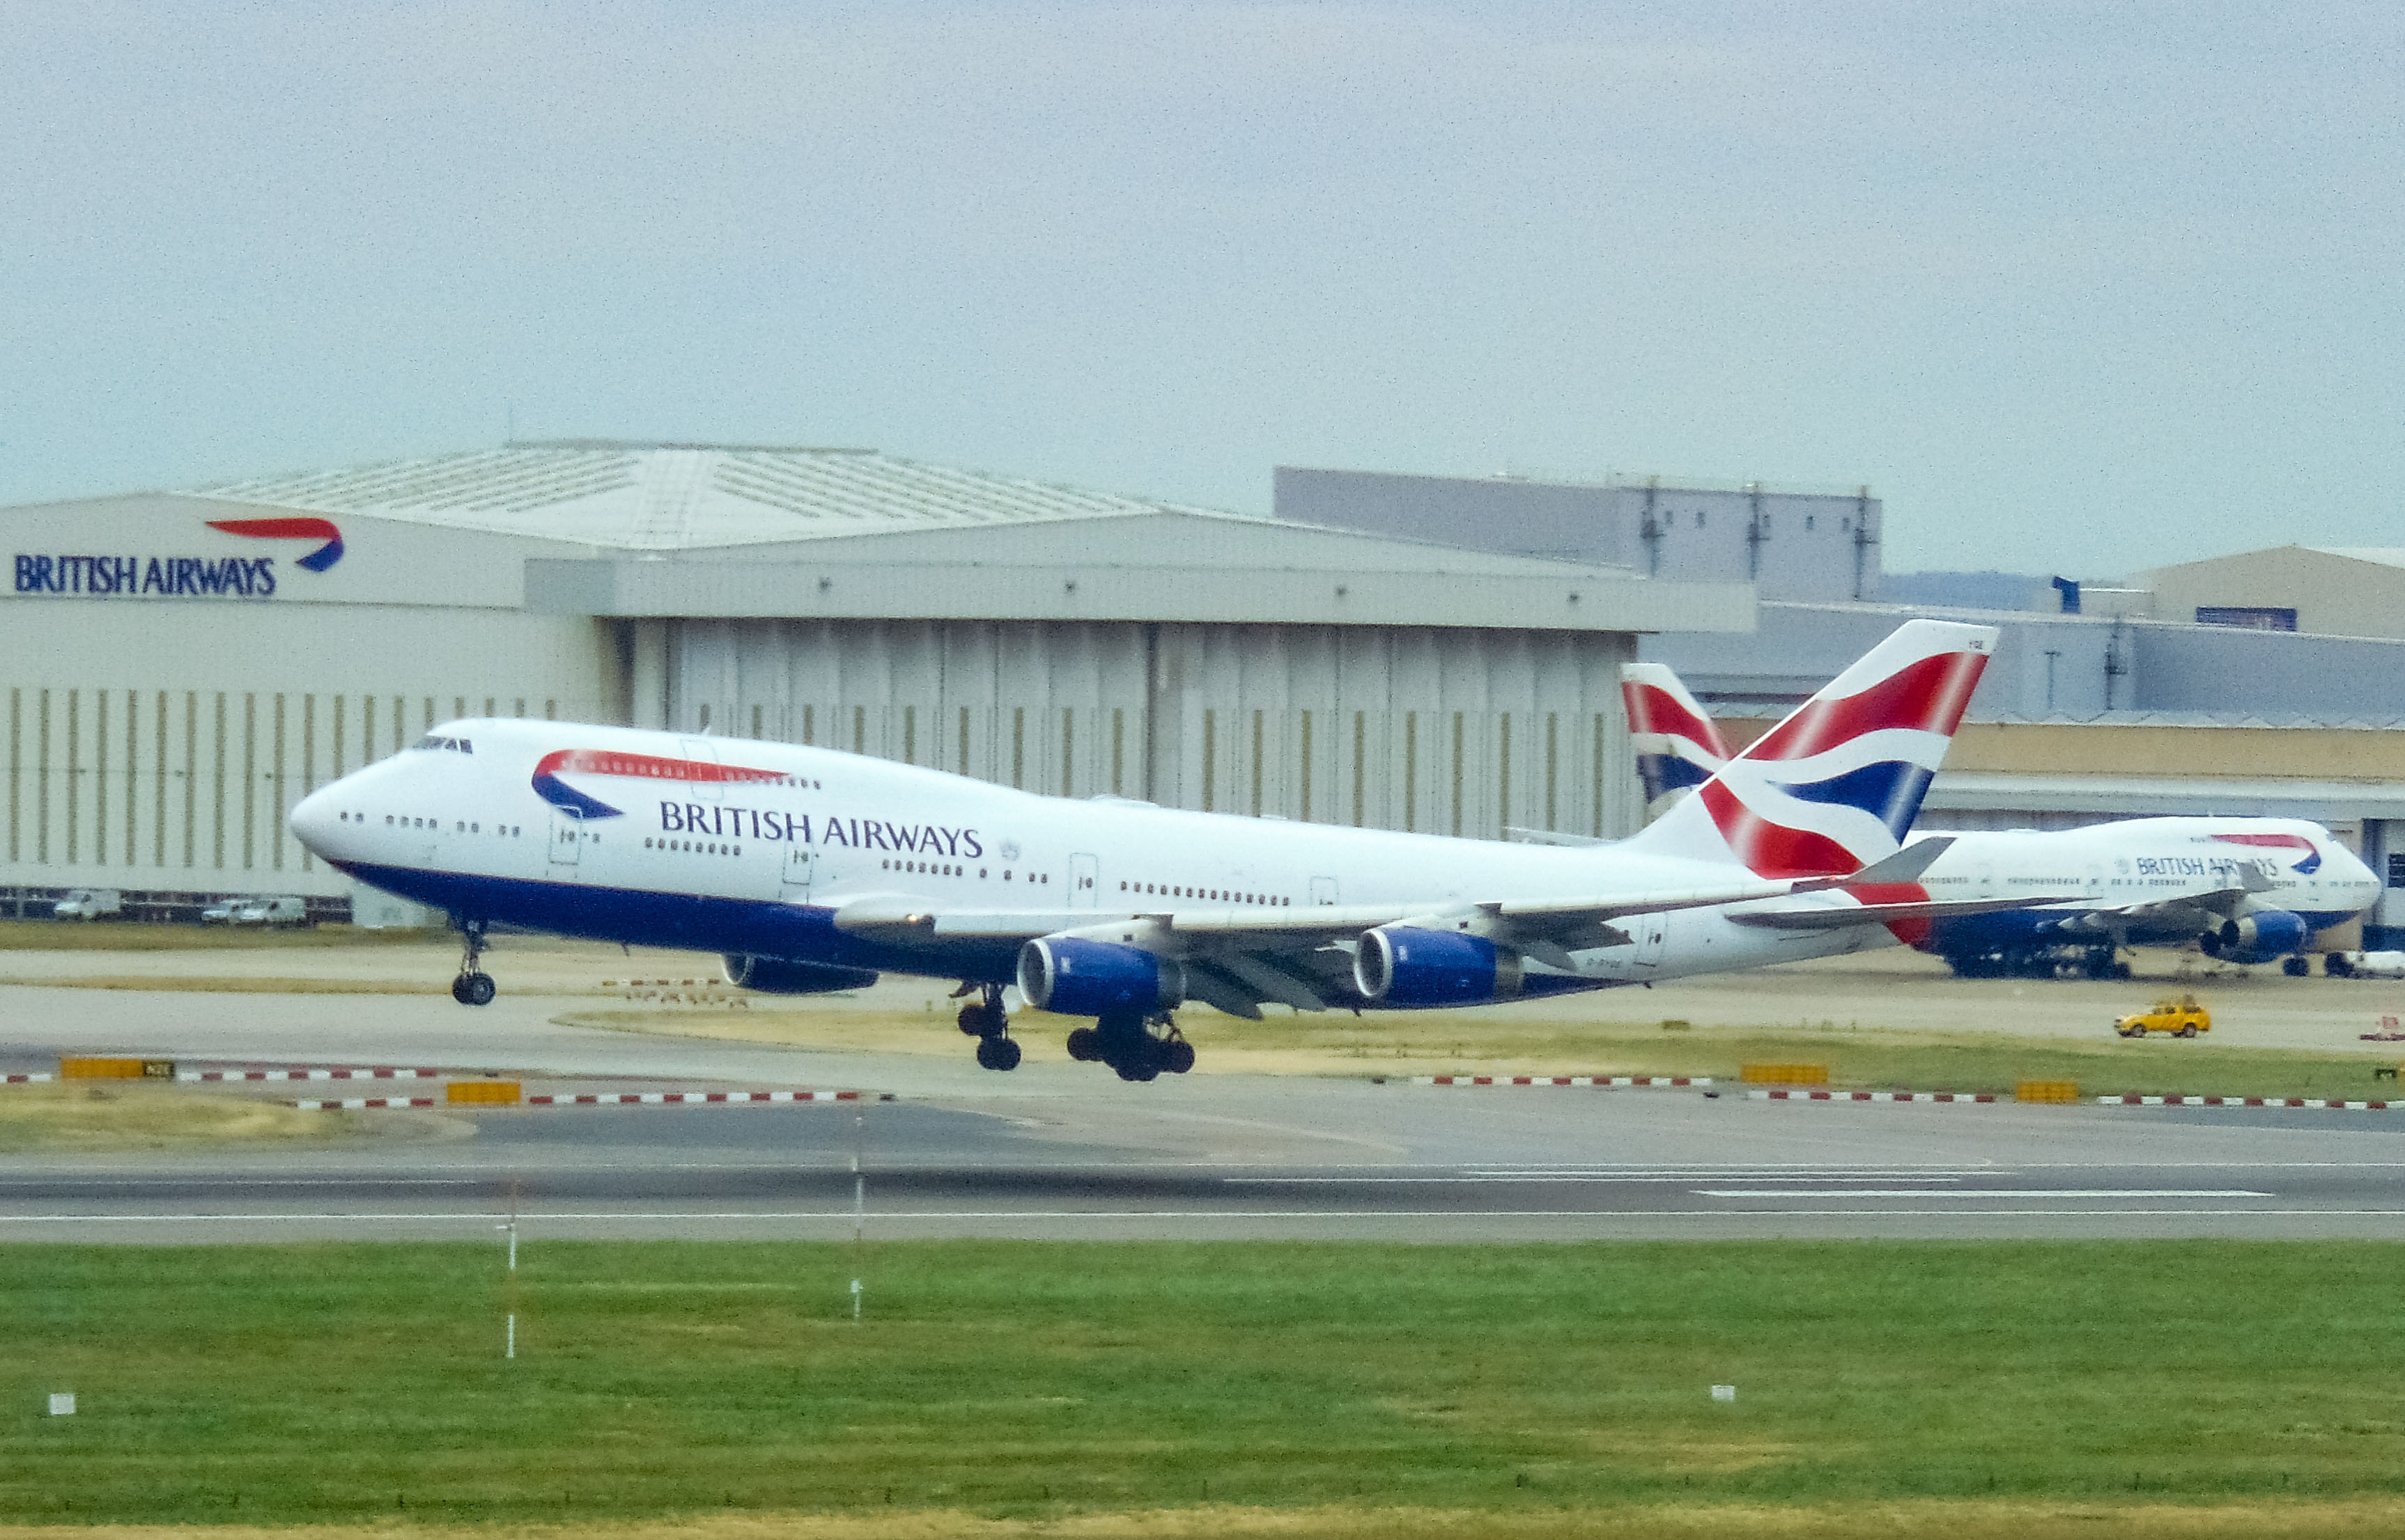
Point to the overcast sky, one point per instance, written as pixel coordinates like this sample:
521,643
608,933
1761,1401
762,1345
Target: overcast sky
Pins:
2076,287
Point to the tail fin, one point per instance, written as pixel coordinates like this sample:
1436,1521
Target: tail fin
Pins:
1677,747
1835,786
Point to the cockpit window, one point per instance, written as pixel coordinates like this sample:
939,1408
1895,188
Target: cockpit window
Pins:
436,740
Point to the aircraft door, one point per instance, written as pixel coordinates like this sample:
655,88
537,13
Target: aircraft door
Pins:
1323,891
801,864
1651,934
703,751
1085,881
567,839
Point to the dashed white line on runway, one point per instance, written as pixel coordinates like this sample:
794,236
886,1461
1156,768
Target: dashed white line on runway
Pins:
2023,1192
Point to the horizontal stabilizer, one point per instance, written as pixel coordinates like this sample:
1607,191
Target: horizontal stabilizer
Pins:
1518,835
1906,865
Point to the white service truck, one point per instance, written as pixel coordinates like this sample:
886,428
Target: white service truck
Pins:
272,912
88,904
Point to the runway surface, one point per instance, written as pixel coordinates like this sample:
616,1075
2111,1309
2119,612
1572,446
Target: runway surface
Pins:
1276,1160
1063,1149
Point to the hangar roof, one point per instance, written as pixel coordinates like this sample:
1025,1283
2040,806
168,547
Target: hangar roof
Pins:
2387,555
674,496
731,531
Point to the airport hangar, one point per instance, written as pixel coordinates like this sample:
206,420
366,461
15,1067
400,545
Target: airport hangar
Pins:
184,666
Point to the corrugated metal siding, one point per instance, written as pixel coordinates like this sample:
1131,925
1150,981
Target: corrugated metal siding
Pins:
1439,731
189,789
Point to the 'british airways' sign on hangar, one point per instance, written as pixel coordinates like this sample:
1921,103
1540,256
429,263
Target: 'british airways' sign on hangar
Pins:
190,576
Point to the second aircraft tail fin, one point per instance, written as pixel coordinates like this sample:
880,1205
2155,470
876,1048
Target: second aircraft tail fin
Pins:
1835,786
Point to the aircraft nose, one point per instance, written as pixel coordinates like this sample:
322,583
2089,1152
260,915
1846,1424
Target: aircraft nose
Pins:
313,819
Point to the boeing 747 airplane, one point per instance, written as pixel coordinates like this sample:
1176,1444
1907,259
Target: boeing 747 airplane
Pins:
2244,889
813,870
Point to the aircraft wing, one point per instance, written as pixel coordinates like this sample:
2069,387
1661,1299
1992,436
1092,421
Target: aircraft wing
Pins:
1237,957
1837,918
896,916
2219,905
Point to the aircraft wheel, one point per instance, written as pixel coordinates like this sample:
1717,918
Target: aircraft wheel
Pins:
1147,1068
475,989
1177,1056
972,1020
2295,967
459,989
1085,1044
997,1053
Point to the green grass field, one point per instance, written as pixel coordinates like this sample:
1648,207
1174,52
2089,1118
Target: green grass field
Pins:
1025,1382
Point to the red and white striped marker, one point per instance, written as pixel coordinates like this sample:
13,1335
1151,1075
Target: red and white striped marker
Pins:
1874,1096
340,1072
624,1099
1561,1080
26,1080
691,1098
2248,1101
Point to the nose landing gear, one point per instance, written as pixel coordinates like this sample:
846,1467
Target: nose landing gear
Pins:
473,986
984,1020
1130,1046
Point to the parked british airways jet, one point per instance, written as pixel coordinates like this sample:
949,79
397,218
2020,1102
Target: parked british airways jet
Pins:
2242,890
813,870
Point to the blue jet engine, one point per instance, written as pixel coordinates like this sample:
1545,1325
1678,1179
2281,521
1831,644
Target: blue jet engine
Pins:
1404,965
2262,936
777,977
1097,978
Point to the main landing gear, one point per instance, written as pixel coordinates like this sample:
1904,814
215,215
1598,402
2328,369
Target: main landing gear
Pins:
983,1019
473,986
1129,1044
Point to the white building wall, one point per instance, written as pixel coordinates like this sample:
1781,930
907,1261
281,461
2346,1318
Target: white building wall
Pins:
1452,731
159,748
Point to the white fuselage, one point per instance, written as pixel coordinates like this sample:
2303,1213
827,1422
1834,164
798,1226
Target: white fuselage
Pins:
760,865
2156,864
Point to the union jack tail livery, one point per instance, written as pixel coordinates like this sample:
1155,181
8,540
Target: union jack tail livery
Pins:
1835,787
1677,747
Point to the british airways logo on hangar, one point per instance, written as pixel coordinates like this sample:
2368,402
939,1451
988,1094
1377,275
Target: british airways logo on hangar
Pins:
99,576
327,553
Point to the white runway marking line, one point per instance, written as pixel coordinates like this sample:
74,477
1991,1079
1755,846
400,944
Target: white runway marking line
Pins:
845,1216
2018,1192
1639,1175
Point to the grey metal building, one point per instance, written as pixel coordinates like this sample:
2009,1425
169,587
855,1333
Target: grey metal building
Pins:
186,665
1791,545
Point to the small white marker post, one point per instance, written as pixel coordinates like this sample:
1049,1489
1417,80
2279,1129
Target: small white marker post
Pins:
63,1402
510,1337
859,1198
1723,1393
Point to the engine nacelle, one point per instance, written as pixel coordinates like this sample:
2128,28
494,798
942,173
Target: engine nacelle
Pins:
1403,965
2259,937
777,977
1097,978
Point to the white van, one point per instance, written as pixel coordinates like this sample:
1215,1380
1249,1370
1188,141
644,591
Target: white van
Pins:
272,912
88,904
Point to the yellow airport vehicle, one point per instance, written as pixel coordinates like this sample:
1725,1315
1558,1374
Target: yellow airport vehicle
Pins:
2181,1018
